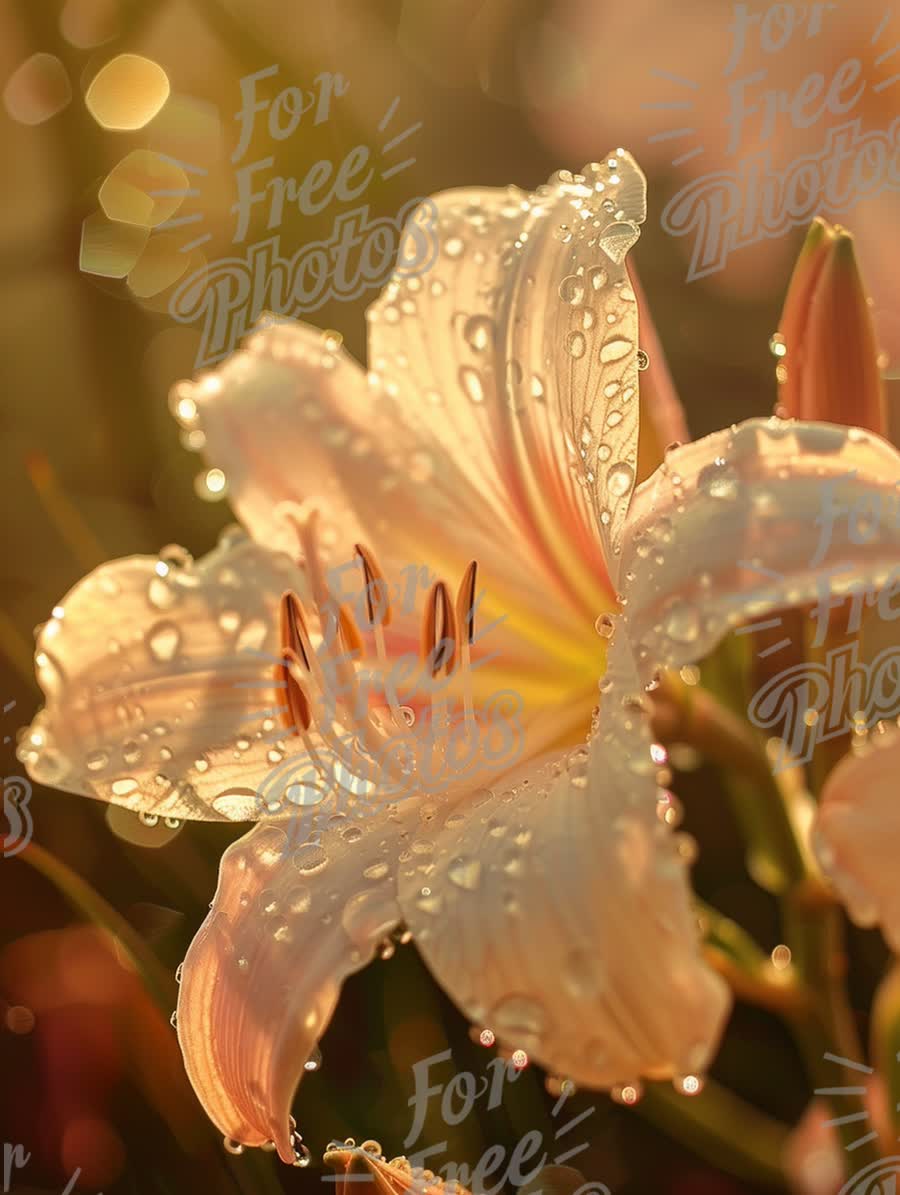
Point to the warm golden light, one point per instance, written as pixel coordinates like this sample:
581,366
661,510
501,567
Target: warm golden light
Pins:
127,93
37,89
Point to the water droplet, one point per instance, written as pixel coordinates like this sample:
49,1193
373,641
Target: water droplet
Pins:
163,640
571,289
605,625
720,481
96,761
233,1147
620,479
643,360
520,1018
781,957
627,1093
377,871
314,1061
454,246
310,859
597,277
688,1084
229,621
465,873
478,333
615,349
576,344
682,622
211,486
519,1059
299,900
470,380
486,1037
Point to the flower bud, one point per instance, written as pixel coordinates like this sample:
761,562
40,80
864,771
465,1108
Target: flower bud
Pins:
828,359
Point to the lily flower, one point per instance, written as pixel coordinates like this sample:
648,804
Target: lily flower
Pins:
492,443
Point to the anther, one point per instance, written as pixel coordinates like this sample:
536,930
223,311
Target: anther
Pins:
465,603
439,630
298,716
378,606
350,634
294,633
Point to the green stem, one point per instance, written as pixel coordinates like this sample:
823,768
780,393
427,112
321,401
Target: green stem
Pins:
815,934
723,1128
691,714
812,921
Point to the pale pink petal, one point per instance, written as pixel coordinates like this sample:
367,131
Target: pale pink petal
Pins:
158,676
500,406
730,528
563,903
857,831
262,977
815,1162
813,1159
556,911
515,355
354,1164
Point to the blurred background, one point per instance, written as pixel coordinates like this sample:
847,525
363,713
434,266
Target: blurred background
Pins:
123,153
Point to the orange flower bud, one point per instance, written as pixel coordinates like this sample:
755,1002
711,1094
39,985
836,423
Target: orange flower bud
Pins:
828,359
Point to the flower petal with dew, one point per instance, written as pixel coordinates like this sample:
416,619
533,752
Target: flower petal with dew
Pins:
857,833
501,399
156,673
262,977
354,1163
570,876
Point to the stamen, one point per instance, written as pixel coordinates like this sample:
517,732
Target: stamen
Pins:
298,717
465,617
379,614
350,632
465,602
294,632
439,631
